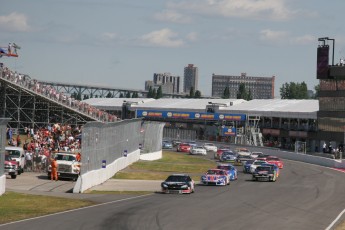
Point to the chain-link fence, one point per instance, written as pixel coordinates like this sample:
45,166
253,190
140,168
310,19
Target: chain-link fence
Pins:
179,134
103,143
3,126
151,136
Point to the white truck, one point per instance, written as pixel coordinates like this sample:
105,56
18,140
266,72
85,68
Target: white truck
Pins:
68,166
18,154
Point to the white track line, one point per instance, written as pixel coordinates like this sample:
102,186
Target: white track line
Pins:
335,221
58,213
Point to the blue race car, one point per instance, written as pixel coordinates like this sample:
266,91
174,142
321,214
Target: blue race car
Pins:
231,170
228,156
246,166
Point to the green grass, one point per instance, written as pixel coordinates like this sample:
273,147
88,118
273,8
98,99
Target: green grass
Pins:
171,162
17,206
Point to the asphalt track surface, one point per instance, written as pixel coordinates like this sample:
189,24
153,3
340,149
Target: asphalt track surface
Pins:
304,197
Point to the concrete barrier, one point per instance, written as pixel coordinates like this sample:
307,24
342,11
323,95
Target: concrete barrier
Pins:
99,176
151,156
2,184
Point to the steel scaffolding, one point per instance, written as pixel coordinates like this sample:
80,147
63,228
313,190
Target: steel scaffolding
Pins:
27,108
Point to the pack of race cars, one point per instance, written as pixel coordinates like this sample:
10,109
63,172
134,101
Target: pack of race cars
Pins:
261,167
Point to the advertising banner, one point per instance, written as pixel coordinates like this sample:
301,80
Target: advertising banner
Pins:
190,115
228,131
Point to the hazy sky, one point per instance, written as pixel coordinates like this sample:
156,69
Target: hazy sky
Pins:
121,43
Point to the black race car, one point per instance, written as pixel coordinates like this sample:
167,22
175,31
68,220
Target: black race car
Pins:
178,183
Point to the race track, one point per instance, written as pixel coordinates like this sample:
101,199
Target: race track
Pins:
304,197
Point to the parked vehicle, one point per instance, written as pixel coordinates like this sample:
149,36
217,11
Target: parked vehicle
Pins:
68,166
18,154
11,167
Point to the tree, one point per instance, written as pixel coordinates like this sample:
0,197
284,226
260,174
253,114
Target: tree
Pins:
109,95
85,97
243,93
154,93
135,95
317,91
121,95
249,95
159,93
294,90
197,94
128,95
150,93
226,93
191,92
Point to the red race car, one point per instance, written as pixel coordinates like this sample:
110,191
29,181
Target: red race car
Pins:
183,147
220,150
276,161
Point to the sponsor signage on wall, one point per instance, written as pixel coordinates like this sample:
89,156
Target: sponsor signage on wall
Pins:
228,131
191,115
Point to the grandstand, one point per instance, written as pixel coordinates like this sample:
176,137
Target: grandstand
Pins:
30,104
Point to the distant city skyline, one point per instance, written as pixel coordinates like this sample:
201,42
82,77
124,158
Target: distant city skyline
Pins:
122,43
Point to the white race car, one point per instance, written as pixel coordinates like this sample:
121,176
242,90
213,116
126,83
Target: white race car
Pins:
198,150
210,147
255,164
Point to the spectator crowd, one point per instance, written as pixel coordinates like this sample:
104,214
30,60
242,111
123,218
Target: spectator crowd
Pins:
41,144
51,93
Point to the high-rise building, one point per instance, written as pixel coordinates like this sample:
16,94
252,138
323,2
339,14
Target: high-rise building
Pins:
168,79
170,84
259,87
191,78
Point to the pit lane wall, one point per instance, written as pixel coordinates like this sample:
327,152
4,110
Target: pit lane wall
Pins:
312,159
3,127
111,147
